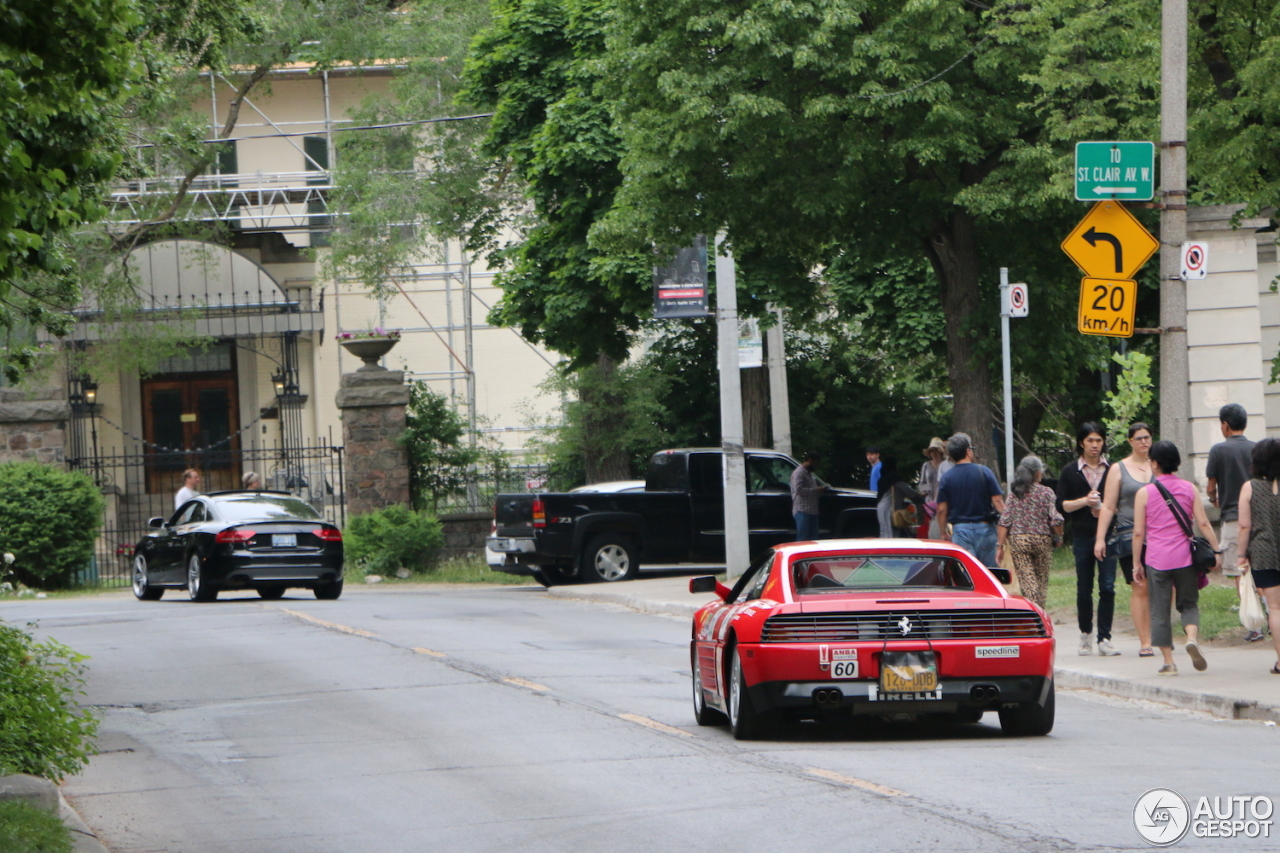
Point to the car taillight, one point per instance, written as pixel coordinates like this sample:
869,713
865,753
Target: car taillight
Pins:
539,513
236,535
329,534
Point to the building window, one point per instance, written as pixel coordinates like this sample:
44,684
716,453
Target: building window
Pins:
317,160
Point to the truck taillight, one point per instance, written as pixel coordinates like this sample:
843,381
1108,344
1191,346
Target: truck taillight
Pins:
539,513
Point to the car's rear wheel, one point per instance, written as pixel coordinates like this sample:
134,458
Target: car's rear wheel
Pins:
142,588
1029,718
198,588
329,591
271,593
608,558
968,715
745,722
704,714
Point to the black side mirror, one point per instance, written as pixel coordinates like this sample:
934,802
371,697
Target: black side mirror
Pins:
1002,575
157,523
703,584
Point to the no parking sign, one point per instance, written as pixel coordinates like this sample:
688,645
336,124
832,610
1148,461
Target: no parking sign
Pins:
1195,261
1017,296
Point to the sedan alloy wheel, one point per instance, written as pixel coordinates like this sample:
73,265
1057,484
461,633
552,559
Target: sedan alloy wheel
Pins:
197,587
142,588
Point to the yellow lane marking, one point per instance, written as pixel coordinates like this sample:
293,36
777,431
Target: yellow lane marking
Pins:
520,682
832,776
654,724
333,626
423,651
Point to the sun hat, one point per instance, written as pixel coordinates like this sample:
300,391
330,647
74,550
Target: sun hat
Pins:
936,444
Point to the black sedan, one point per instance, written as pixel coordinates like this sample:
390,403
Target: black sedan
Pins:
266,541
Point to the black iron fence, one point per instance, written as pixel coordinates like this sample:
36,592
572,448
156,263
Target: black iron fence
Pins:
141,486
477,492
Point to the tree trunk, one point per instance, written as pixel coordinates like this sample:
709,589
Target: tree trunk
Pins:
603,455
953,252
1027,418
755,407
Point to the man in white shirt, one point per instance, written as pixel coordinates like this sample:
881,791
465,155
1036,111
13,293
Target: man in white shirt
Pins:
190,482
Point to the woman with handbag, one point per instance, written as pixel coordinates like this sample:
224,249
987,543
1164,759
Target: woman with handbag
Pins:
894,492
1032,527
1124,480
1169,554
1259,551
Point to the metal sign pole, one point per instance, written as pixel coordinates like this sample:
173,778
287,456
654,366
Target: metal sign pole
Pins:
1008,377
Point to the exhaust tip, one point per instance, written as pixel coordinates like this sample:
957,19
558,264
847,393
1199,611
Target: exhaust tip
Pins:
984,692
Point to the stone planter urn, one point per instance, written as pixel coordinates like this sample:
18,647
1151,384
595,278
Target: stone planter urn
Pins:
370,350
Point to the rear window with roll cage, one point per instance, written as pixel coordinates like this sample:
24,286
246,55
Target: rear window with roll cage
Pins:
834,574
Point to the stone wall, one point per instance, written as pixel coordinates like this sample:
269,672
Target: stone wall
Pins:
464,534
373,420
33,425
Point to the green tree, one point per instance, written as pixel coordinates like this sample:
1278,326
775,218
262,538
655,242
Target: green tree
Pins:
440,455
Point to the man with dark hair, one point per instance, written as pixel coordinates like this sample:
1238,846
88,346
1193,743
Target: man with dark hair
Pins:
1079,499
969,498
1228,470
805,492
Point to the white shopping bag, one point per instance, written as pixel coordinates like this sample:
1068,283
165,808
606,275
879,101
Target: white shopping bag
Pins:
1251,615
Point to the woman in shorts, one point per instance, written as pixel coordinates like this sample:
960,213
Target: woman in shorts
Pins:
1124,480
1260,532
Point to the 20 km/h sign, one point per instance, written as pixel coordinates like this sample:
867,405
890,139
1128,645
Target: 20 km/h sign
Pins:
1107,307
1110,243
1119,170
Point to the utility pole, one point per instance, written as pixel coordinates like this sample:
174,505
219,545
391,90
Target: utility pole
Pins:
737,551
779,397
1175,377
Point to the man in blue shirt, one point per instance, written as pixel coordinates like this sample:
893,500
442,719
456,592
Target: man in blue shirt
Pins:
969,498
873,459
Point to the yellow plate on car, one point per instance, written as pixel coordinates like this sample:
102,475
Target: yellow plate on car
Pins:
908,672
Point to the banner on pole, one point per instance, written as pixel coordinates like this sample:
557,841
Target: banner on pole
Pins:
750,343
680,287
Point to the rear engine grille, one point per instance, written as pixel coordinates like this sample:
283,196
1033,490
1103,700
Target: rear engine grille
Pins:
919,625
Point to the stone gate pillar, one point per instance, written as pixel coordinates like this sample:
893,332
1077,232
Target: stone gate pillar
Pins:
372,403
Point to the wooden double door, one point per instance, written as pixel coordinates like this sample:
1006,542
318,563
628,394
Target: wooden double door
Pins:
191,423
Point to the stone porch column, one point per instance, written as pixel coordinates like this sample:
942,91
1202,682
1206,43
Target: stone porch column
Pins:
372,404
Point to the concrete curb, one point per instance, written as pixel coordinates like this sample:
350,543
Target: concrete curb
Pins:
635,602
1220,706
44,794
84,839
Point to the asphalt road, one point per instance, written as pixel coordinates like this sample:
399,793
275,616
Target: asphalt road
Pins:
497,719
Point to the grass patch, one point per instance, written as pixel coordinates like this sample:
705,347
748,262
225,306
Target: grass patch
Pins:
1217,619
455,570
27,829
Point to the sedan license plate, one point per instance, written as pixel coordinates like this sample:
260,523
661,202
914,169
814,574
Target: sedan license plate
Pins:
908,672
284,540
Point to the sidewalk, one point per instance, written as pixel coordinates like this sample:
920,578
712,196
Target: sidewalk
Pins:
1236,686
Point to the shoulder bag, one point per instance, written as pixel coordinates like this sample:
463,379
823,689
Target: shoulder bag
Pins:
1203,556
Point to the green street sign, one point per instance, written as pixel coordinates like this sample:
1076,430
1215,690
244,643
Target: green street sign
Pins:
1124,171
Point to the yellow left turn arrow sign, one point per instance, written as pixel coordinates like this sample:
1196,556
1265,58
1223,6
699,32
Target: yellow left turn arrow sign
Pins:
1109,243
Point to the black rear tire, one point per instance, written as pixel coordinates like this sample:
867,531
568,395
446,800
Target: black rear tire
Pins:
608,558
198,588
1029,719
271,593
745,721
142,588
329,591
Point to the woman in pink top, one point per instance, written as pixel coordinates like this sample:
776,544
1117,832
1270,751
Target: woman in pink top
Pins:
1165,551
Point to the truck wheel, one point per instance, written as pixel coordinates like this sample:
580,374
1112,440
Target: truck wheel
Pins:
609,557
553,575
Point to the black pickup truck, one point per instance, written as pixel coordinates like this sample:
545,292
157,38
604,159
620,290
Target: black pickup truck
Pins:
678,518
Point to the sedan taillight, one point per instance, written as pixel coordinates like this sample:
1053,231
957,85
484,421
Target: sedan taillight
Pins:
236,535
329,534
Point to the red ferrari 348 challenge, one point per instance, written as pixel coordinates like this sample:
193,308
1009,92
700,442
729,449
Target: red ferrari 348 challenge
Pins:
894,628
